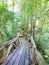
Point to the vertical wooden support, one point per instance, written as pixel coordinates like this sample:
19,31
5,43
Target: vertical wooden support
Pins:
14,45
3,59
4,52
9,49
17,42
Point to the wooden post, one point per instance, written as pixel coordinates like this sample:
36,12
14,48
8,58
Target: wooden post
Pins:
8,50
4,52
3,59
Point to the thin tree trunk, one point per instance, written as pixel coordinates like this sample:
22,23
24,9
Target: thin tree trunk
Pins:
31,26
34,30
13,22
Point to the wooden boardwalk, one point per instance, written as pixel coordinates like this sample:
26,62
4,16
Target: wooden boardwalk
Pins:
21,55
19,51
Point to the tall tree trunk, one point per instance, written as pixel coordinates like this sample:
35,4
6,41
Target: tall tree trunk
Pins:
13,22
34,25
31,26
34,30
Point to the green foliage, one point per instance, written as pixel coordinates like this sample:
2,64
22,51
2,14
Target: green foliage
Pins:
6,20
33,17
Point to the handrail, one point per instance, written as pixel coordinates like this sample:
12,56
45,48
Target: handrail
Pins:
8,47
39,58
9,42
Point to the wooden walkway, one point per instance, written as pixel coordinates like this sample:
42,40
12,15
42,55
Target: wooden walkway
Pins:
21,55
19,51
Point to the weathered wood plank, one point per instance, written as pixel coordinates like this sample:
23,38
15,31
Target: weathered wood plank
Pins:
10,56
8,50
32,62
18,57
22,60
13,58
27,59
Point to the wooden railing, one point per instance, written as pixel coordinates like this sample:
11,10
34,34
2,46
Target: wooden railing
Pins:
8,43
39,58
7,48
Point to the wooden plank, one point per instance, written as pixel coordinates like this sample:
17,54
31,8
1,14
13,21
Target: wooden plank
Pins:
18,57
8,50
27,59
32,62
22,59
12,59
11,55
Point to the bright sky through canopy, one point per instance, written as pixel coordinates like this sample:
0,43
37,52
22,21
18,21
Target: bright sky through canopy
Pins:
16,7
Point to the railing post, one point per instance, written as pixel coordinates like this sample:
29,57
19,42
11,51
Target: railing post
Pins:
4,52
8,50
